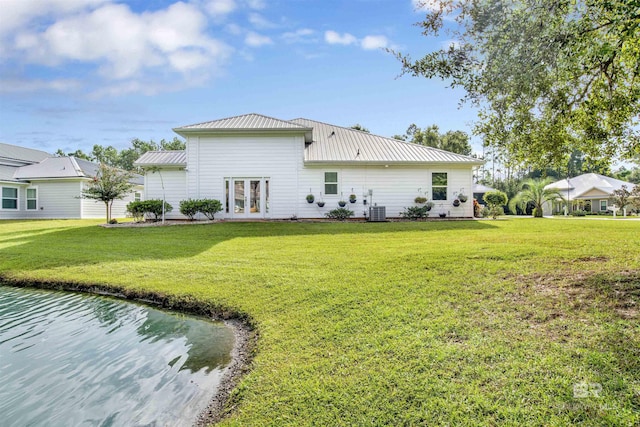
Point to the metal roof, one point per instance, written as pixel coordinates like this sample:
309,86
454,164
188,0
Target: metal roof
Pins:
17,156
338,144
162,158
64,167
244,122
584,183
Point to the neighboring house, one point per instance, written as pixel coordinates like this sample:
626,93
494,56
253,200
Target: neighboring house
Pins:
263,167
35,184
479,190
589,191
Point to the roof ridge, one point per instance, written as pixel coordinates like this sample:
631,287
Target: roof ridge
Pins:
243,115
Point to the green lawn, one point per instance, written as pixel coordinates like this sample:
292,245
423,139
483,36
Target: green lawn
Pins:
436,323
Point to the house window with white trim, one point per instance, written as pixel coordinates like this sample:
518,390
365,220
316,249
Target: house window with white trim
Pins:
331,183
439,185
137,196
603,205
32,199
9,198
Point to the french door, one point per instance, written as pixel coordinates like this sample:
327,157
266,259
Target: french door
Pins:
247,197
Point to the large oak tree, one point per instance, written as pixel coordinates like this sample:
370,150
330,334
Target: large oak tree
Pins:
549,76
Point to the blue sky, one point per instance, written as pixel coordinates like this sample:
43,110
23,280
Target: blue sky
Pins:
74,73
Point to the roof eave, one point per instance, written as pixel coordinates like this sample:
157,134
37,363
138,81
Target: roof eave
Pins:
161,165
391,162
185,132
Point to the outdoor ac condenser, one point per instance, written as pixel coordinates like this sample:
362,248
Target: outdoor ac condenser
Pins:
377,213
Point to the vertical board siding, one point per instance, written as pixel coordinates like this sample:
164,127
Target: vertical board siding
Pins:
394,187
175,189
212,159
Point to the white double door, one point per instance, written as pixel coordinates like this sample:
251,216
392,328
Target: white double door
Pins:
250,197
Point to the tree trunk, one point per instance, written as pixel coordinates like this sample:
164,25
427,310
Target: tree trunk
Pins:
108,212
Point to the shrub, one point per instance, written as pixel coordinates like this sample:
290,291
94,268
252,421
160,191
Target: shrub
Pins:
113,221
415,212
189,208
209,207
496,200
136,210
340,214
154,207
578,213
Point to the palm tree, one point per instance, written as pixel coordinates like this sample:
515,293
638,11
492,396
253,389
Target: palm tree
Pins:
534,191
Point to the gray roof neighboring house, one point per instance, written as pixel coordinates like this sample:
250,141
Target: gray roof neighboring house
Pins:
479,188
63,167
14,155
326,143
589,186
163,158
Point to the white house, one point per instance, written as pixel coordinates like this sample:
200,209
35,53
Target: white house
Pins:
263,167
589,191
36,185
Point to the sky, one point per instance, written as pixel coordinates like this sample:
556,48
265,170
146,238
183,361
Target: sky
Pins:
74,73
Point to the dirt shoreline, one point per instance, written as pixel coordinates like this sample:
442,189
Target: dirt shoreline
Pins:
244,332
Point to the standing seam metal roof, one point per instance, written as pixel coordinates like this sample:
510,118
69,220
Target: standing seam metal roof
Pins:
172,157
338,144
244,122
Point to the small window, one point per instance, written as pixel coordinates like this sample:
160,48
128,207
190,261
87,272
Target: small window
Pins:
439,185
226,196
9,198
331,183
603,205
137,196
32,199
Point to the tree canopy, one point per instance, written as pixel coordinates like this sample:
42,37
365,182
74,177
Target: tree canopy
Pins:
125,158
549,76
455,141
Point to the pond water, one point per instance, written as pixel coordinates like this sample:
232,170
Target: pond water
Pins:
69,359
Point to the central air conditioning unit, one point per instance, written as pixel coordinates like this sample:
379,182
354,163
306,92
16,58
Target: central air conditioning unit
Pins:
377,214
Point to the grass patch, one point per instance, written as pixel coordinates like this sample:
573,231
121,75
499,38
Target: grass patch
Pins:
433,323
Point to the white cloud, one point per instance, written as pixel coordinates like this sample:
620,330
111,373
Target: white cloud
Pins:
426,5
220,7
260,22
374,42
303,35
256,4
58,85
124,44
256,40
333,37
447,44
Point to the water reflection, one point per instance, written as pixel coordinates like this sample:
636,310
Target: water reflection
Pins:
74,359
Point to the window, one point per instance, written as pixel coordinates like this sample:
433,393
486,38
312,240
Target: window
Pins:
331,183
136,196
32,199
603,205
439,185
9,198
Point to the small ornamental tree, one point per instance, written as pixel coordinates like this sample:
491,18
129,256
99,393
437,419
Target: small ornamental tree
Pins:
496,200
622,198
108,185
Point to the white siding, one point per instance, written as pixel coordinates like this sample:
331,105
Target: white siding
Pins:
394,187
279,158
97,209
175,188
56,199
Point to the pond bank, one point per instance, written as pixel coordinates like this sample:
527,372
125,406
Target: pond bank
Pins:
243,329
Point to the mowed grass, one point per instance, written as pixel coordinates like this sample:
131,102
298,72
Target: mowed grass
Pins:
437,323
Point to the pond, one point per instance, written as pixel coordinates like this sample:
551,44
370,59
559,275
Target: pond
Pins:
71,359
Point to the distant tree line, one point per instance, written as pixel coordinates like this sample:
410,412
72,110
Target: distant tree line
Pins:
124,159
